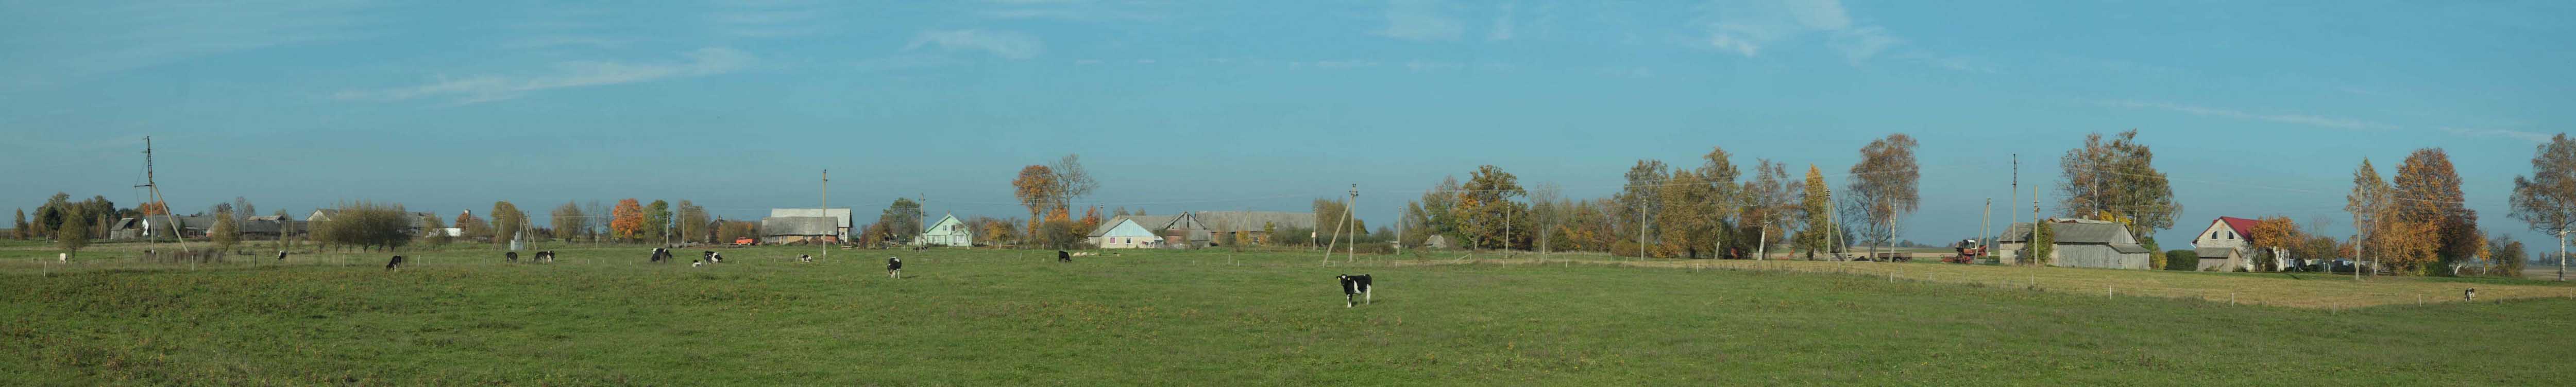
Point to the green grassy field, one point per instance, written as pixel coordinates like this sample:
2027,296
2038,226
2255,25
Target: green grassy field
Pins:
1001,317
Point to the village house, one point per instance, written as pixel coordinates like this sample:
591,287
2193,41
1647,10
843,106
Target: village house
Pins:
2227,245
2079,243
949,231
1125,232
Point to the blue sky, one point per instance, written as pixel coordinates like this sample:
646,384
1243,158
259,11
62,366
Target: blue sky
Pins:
2254,108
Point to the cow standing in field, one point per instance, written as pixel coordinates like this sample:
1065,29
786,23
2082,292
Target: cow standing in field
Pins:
661,254
807,258
394,264
547,256
512,257
1356,285
894,267
281,255
1064,257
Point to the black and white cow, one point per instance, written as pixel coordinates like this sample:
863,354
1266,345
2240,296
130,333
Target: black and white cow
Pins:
894,267
512,257
660,254
2471,295
281,255
1355,286
1061,256
697,263
394,264
805,258
547,256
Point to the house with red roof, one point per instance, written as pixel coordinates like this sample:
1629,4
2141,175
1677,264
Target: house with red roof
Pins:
2226,245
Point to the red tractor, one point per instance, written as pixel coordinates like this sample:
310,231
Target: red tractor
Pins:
1969,251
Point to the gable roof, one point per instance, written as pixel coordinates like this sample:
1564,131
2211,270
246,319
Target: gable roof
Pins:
2072,231
798,225
2243,226
1121,221
928,229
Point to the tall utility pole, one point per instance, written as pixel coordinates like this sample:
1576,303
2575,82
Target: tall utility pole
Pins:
2011,217
150,182
827,212
2035,224
1341,227
1985,227
1350,214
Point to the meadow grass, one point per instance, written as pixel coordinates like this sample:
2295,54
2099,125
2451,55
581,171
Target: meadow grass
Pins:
602,316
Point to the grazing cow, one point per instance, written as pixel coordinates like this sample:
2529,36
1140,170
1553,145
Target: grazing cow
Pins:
660,254
281,255
805,258
894,267
547,256
513,256
394,264
1061,256
697,263
1356,285
2471,295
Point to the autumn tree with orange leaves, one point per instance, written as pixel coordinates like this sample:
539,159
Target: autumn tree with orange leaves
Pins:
626,222
2275,235
153,208
2426,198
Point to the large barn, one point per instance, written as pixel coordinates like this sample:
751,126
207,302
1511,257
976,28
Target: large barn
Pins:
2080,243
798,229
840,224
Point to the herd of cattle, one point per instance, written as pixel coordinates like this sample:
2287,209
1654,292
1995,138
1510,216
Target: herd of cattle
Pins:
1355,288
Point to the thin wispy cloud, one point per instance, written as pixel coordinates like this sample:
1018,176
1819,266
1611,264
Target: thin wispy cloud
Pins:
1751,27
81,39
1006,44
1428,65
768,18
559,41
1080,11
2536,138
2299,119
1420,20
486,88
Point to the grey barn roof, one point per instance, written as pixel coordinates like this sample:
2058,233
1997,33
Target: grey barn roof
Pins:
1226,221
840,215
798,225
2104,233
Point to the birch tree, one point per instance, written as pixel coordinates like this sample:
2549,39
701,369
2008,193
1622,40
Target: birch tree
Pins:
2547,198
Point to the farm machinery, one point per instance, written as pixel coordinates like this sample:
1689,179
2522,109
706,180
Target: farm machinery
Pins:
1969,250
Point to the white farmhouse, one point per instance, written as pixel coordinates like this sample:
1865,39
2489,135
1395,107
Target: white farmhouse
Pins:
947,232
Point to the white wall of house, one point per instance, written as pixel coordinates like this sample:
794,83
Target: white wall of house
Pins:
948,232
1127,235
